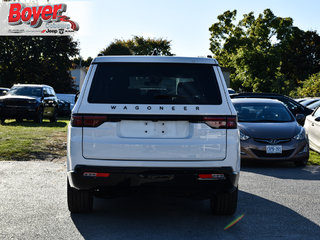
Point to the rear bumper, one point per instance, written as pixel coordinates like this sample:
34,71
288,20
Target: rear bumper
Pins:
176,180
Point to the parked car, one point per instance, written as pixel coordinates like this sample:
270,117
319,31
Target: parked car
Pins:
161,123
314,105
309,101
231,91
64,108
299,100
3,91
312,126
295,107
269,132
68,97
29,101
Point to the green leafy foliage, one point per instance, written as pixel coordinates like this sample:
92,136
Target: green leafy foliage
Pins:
314,158
37,60
310,88
139,46
83,62
118,47
301,58
264,53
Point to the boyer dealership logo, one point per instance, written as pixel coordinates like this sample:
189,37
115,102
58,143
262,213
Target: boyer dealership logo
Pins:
49,19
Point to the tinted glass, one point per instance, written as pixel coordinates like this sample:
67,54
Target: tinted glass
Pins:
314,105
50,92
53,94
308,102
157,83
317,113
26,91
258,112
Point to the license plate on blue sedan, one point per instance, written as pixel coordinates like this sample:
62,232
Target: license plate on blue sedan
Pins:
273,149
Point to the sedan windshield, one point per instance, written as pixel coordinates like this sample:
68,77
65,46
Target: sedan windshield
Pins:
262,112
26,91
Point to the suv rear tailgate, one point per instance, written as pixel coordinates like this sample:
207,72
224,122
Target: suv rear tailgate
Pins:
144,140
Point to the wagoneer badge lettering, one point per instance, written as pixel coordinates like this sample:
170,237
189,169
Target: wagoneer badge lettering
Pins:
149,108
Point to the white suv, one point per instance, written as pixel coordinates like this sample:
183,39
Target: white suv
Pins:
160,123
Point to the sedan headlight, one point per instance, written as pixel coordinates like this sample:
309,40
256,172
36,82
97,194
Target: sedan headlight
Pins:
243,137
32,101
301,135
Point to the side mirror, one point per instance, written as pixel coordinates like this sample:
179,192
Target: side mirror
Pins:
76,97
300,118
317,119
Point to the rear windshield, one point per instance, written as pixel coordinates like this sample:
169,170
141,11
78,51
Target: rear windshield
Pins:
154,83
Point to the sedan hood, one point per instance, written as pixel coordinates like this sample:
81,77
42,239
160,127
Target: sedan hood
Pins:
274,130
9,97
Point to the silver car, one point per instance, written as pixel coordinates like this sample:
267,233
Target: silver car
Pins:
312,126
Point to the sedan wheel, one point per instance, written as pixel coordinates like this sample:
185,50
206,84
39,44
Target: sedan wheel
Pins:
301,163
39,117
54,118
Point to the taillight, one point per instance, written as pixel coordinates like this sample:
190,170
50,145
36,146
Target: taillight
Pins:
232,122
216,122
87,120
94,174
215,176
221,122
76,121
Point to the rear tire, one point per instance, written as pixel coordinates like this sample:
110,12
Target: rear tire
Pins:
54,117
2,121
225,203
19,120
79,201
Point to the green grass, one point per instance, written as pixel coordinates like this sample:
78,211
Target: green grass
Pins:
29,141
314,158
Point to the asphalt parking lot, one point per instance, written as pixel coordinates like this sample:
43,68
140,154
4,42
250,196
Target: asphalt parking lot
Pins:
279,202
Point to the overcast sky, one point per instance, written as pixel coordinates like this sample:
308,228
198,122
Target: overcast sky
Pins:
184,22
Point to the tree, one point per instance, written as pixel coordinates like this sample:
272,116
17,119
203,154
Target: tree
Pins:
138,46
301,58
118,47
37,60
257,51
310,87
84,63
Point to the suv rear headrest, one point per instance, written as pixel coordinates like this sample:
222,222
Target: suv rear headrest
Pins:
187,89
